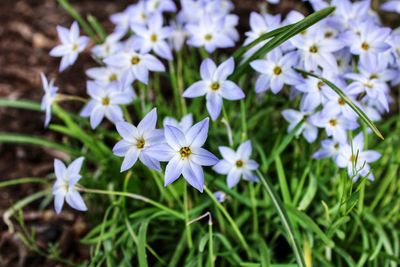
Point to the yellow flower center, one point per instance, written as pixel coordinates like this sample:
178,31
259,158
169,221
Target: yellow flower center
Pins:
113,77
365,46
135,60
105,101
208,37
75,47
214,86
328,34
373,76
239,163
341,101
153,38
140,143
185,152
332,122
319,85
313,49
277,70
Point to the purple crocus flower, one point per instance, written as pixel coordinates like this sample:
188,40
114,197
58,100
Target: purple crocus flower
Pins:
185,154
64,187
237,164
71,45
215,86
136,141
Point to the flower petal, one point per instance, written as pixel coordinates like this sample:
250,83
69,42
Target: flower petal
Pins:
196,136
203,157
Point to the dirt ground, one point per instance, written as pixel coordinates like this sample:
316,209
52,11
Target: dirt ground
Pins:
27,33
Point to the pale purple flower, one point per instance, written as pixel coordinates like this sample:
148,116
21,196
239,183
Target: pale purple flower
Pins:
64,188
391,5
153,37
185,154
135,65
349,12
276,70
372,79
184,124
316,50
50,94
105,102
329,149
158,6
335,126
294,117
215,86
71,45
336,104
208,33
355,159
368,39
237,164
110,46
104,75
136,141
178,36
314,93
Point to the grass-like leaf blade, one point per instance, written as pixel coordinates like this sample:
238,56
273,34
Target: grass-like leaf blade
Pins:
348,101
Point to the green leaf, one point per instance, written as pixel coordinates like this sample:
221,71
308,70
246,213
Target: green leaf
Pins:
283,37
15,138
348,101
309,224
142,257
22,104
280,208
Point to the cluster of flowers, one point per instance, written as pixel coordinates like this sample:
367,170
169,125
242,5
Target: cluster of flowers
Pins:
349,48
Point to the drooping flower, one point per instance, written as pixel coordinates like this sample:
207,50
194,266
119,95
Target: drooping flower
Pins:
50,94
215,86
237,164
135,65
355,159
64,188
153,37
184,124
185,154
105,103
71,45
276,70
137,140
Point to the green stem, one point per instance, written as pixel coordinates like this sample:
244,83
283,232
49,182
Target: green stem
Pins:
210,242
235,228
244,121
284,218
254,210
186,213
136,197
